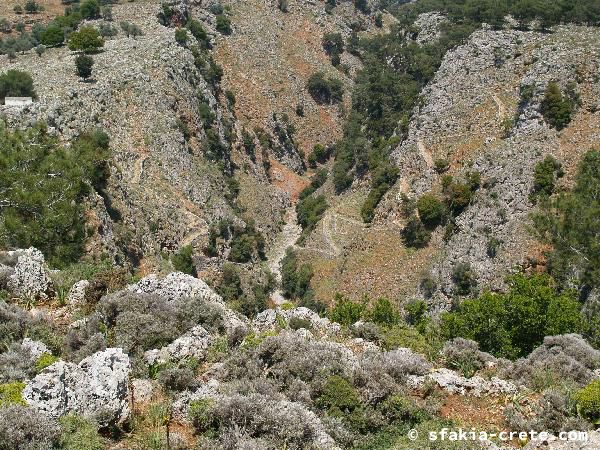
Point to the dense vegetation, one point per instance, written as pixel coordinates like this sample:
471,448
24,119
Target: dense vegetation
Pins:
42,189
529,311
570,223
15,83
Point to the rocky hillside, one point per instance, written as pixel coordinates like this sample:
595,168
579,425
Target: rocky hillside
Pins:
478,124
299,224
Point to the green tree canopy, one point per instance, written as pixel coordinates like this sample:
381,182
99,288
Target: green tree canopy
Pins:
87,40
42,188
15,83
511,325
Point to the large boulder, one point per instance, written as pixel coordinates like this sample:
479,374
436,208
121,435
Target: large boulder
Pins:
97,387
175,286
30,276
194,344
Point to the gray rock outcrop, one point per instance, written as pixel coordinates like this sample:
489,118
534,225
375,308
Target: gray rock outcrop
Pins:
194,343
175,286
97,387
30,276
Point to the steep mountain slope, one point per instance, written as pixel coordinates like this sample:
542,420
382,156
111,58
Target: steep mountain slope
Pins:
473,116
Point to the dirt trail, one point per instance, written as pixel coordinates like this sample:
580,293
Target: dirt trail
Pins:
287,238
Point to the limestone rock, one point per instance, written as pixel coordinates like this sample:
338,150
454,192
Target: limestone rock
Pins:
175,286
76,295
454,383
194,343
36,348
96,387
30,277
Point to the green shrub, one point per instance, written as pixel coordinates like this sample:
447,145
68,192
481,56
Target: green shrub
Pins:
79,433
545,175
295,277
83,66
183,262
52,36
511,325
12,394
566,223
345,311
338,396
310,210
181,36
15,83
403,336
87,40
230,287
556,109
296,323
333,44
464,278
383,312
201,414
431,210
588,401
45,360
224,24
90,9
441,165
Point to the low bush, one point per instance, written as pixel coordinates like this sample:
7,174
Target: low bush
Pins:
588,401
79,433
346,311
11,394
23,428
323,89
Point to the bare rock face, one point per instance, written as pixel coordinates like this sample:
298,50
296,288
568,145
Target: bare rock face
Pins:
97,387
76,294
194,343
30,276
35,348
429,27
175,286
454,383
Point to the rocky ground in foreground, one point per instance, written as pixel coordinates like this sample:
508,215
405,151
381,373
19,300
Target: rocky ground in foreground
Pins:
230,382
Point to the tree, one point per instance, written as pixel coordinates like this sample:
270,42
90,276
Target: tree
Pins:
571,224
15,83
333,44
555,108
87,40
83,65
223,24
90,9
415,234
183,261
431,210
32,7
324,90
43,187
511,325
52,36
